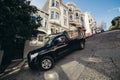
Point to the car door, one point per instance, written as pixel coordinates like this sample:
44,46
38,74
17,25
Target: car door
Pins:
60,45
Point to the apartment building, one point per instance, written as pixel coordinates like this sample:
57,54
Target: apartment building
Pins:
58,16
63,17
74,16
89,23
42,30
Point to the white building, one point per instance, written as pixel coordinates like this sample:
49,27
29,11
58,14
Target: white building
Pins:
89,23
58,16
42,30
74,16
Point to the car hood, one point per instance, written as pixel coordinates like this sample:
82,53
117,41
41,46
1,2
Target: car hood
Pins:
38,50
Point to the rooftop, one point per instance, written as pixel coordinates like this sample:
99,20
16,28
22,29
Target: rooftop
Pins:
71,3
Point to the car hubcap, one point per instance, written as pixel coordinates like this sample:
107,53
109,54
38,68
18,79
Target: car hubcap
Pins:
46,63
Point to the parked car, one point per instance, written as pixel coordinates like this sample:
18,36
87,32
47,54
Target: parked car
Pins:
56,46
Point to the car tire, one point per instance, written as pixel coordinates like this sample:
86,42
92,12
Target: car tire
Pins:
82,45
46,63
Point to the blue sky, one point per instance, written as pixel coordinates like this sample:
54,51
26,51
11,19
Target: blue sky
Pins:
101,10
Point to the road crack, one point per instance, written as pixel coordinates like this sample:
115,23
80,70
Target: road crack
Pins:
114,63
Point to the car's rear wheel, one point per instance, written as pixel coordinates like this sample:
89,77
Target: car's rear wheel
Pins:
46,63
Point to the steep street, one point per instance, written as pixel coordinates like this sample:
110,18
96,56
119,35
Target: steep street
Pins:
100,60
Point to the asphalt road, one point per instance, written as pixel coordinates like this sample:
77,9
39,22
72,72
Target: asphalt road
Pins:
100,60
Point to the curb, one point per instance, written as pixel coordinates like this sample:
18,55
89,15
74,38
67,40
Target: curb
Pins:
12,70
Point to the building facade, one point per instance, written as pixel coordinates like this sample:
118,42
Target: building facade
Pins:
42,30
63,17
58,16
74,16
89,23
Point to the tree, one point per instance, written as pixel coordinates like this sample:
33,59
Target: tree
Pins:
15,20
16,23
115,23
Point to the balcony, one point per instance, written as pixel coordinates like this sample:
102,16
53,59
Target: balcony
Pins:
79,24
70,12
55,8
55,21
73,22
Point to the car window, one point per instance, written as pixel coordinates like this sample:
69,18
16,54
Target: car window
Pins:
60,40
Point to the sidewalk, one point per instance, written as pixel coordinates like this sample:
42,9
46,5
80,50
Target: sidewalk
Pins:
14,67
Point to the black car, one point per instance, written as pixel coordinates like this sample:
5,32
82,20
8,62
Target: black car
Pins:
55,46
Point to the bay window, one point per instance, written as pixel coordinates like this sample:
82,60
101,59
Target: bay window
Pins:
52,14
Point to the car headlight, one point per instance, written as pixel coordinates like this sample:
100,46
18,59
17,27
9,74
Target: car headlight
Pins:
34,56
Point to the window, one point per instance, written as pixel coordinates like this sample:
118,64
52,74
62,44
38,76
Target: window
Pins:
57,15
57,4
70,9
33,18
60,41
52,14
89,21
77,14
52,31
64,12
65,21
71,17
81,18
40,38
53,3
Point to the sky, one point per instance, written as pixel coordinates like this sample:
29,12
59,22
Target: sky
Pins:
101,10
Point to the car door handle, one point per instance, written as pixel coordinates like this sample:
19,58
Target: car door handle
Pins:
53,48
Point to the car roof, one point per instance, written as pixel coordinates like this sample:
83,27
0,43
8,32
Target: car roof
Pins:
53,35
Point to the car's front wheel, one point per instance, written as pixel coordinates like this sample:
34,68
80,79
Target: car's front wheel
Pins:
46,63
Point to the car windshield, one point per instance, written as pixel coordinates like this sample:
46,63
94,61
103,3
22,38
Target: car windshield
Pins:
47,41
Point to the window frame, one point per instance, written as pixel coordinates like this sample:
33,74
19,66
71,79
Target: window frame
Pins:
52,14
53,3
57,4
70,9
41,38
65,21
65,12
71,17
77,14
57,16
